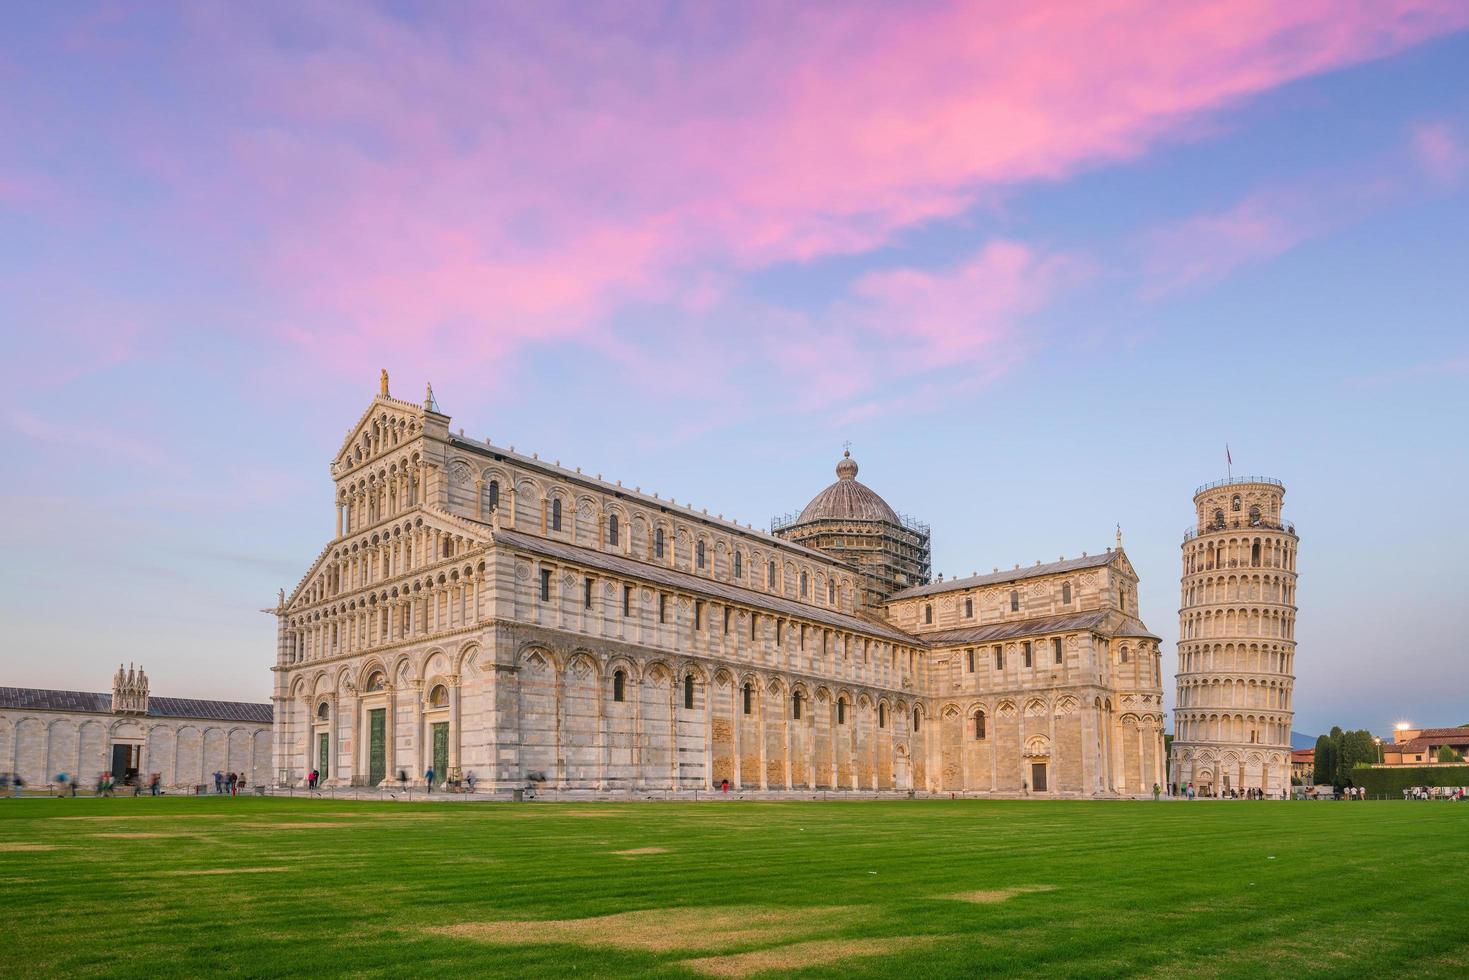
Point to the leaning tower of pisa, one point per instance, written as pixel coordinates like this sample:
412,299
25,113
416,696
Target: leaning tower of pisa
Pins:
1236,641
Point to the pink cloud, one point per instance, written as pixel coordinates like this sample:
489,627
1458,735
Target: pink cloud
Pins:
503,177
1273,220
1441,151
512,178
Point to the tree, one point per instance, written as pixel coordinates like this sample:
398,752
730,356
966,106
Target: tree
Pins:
1353,749
1447,754
1324,761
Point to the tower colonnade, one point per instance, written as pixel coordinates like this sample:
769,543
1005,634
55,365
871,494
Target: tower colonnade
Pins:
1236,649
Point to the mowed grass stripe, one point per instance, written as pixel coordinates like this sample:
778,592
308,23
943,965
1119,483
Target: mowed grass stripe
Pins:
1164,889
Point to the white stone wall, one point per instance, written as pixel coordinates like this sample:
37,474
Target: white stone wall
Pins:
39,745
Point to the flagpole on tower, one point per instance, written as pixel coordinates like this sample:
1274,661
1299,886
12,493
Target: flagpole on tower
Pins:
1228,462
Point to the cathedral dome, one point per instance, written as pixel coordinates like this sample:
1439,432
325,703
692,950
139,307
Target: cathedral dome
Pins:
848,500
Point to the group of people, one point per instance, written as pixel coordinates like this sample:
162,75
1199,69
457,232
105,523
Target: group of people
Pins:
1456,794
1188,791
228,782
66,784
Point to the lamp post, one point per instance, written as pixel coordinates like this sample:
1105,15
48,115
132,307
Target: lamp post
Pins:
1378,740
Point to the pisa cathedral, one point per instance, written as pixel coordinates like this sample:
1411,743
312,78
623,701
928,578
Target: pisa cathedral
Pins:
483,610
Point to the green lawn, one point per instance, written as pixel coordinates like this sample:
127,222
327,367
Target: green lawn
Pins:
848,889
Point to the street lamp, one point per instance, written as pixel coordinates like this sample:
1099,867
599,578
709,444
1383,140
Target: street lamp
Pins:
1378,740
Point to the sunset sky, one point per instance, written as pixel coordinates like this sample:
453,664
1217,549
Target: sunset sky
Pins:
1038,262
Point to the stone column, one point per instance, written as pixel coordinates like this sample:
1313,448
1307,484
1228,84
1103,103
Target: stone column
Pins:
736,729
310,728
420,765
355,754
762,721
390,734
454,726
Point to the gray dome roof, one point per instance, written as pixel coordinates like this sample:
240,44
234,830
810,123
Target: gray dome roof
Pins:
848,500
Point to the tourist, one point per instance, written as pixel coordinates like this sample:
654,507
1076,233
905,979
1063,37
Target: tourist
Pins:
218,782
428,777
61,778
232,780
16,784
153,782
724,786
469,780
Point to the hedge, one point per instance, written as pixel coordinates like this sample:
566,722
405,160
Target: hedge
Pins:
1392,780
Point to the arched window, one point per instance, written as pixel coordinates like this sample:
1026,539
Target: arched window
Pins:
688,690
882,716
612,528
1124,654
1255,554
1219,517
438,697
1254,515
658,543
979,725
375,682
699,554
1066,592
619,686
1014,601
749,697
917,719
1234,503
323,711
770,575
968,608
448,547
928,612
1025,649
999,657
494,494
796,706
556,514
803,585
831,591
841,711
739,568
1056,648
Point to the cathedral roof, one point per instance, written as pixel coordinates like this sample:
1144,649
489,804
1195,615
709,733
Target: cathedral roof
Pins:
848,500
1023,627
699,584
1014,575
41,699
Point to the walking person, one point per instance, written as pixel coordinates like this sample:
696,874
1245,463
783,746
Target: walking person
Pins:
469,780
428,777
16,785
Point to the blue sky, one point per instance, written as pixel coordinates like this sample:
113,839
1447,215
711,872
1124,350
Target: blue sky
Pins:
1038,291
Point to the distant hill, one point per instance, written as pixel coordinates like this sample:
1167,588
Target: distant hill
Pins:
1300,740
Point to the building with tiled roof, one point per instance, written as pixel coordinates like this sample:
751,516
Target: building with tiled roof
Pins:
1420,746
131,733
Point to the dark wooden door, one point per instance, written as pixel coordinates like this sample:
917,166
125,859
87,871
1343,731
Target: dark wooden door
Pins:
377,749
